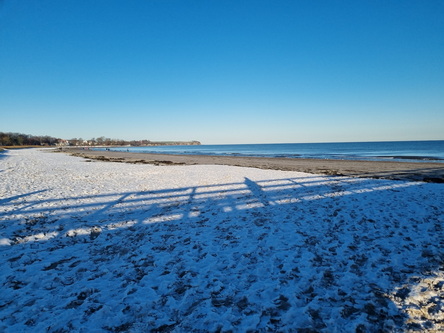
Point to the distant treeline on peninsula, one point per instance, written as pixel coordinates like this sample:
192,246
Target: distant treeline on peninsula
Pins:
19,139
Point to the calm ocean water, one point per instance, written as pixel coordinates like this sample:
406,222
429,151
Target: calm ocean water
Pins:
402,150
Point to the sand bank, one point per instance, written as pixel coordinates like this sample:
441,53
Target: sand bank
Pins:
417,171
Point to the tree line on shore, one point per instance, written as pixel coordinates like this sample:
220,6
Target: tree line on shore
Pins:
19,139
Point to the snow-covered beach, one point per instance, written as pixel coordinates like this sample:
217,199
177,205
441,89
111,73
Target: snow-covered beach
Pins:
113,247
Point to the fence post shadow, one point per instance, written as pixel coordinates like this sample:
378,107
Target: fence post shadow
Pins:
330,248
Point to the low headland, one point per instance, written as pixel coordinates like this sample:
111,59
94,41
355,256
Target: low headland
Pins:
417,171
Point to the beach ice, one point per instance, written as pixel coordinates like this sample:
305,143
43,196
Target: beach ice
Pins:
112,247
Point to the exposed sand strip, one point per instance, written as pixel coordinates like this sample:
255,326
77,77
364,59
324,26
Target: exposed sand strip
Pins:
417,171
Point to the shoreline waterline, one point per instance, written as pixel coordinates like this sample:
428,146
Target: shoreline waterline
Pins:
417,171
403,151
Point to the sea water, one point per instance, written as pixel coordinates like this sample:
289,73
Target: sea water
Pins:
432,151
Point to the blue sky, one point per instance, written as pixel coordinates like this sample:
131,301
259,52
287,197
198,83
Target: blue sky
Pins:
223,71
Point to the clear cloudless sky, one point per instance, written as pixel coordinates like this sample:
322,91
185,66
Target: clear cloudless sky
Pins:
226,71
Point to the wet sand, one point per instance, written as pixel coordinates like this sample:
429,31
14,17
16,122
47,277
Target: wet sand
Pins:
418,171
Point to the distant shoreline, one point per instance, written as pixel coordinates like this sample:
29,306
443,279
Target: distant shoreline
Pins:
417,171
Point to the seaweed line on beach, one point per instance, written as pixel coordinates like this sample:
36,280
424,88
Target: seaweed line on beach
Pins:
426,172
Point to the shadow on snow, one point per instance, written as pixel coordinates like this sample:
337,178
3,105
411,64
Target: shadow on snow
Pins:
302,253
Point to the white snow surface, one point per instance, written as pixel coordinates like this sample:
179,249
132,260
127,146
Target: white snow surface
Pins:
115,247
